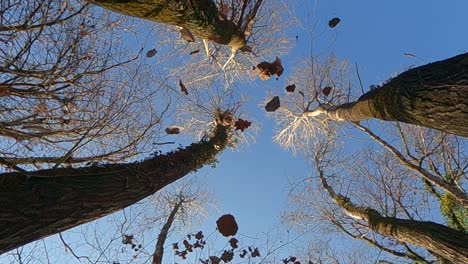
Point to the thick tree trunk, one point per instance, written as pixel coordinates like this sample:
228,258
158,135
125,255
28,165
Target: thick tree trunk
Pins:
38,204
159,250
434,95
200,17
444,241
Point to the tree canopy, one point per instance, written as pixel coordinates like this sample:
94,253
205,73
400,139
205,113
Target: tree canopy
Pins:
98,98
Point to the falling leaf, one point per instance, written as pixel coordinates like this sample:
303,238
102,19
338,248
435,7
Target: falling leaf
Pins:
243,254
182,87
127,239
242,124
215,260
173,130
255,253
227,256
151,53
233,242
199,235
194,52
290,88
333,22
227,225
186,34
326,91
409,54
273,104
266,69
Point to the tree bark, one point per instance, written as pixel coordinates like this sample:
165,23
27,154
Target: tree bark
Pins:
444,241
41,203
159,250
200,17
434,95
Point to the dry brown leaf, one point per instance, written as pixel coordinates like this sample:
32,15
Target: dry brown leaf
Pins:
326,91
194,52
173,130
242,124
227,225
290,88
273,104
182,87
151,53
333,22
266,69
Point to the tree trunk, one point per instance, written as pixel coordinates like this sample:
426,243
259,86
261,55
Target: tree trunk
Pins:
41,203
444,241
434,95
200,17
159,250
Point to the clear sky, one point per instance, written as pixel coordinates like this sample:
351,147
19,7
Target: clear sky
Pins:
252,183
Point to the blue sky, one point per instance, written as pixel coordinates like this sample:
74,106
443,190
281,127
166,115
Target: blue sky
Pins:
252,183
373,35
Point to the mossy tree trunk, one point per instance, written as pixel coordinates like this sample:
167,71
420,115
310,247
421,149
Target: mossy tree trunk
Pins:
434,95
42,203
444,241
200,17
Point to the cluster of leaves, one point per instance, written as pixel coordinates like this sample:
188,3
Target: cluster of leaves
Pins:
227,226
225,256
189,247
